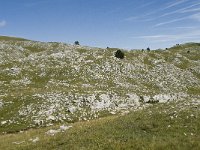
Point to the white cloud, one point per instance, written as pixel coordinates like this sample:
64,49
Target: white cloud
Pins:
3,23
191,27
146,4
183,10
190,10
140,18
177,2
171,21
195,17
187,9
151,36
193,34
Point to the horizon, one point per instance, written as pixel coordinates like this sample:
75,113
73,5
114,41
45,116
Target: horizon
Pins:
35,40
134,24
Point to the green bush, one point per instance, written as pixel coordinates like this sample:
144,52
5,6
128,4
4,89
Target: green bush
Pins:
76,43
119,54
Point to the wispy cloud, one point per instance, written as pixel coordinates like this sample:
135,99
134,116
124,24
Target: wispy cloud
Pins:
146,4
182,10
3,23
194,34
177,2
141,17
191,27
171,21
195,16
172,4
188,9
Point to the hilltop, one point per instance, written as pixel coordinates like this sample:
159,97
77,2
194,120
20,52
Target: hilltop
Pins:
43,83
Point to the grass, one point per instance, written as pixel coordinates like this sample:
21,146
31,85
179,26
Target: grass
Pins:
34,49
161,126
7,38
194,90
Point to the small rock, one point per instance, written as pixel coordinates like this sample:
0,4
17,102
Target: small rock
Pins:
113,113
191,115
18,142
124,112
63,127
72,109
38,122
35,140
1,104
52,132
3,122
52,118
49,124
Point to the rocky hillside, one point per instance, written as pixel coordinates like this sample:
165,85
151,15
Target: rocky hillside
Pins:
43,83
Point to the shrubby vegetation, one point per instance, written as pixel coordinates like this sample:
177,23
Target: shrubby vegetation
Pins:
76,43
119,54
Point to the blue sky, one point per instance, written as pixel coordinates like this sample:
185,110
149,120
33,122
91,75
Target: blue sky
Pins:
129,24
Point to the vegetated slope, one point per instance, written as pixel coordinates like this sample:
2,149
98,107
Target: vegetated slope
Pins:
42,83
173,125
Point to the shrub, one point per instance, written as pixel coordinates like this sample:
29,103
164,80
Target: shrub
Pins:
119,54
141,99
76,43
148,49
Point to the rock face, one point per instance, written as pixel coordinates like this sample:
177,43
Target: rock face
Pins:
42,83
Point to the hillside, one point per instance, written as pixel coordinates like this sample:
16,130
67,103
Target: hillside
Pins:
46,83
161,126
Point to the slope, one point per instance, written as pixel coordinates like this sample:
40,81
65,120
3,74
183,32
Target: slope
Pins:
47,83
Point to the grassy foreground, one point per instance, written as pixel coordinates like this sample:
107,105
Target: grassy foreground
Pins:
173,125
